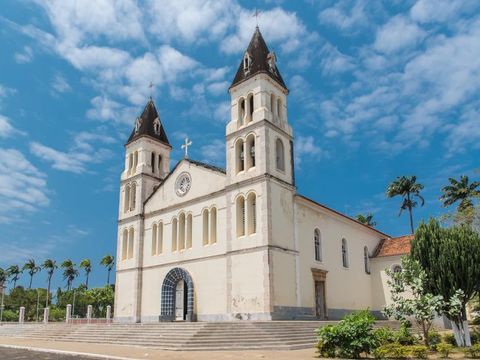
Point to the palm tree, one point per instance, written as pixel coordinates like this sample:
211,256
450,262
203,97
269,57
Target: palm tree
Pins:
86,265
50,265
366,219
32,269
460,191
108,261
3,278
69,272
407,187
14,272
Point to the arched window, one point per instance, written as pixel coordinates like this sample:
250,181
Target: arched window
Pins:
318,245
133,194
130,163
246,62
131,236
272,106
366,259
241,111
135,162
181,231
344,253
250,108
240,155
152,162
126,200
280,154
279,109
160,165
174,234
252,213
397,269
156,127
213,225
125,244
205,226
154,239
240,216
138,124
189,231
250,151
160,238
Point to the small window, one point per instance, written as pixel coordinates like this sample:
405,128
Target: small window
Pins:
279,109
160,164
213,225
131,237
252,213
154,239
397,269
366,260
189,231
250,151
240,216
160,238
344,253
280,153
125,244
205,227
250,108
152,162
240,155
133,194
156,127
174,234
318,245
246,63
126,199
181,231
138,124
241,111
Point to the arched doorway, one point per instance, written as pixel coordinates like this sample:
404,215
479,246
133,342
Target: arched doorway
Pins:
177,296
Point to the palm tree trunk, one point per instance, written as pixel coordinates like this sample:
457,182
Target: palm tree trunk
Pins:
48,290
30,285
86,282
108,277
410,212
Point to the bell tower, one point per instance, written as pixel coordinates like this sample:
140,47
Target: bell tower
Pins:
259,137
147,163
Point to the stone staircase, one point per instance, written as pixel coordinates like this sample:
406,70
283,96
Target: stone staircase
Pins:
271,335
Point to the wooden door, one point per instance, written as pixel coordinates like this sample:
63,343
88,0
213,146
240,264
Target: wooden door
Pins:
320,300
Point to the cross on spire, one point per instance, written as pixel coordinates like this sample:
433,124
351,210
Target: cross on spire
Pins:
256,14
186,145
150,86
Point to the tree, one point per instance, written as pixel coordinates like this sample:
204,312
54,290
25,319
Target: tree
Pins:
3,278
460,191
49,265
14,273
69,272
366,219
108,261
86,265
408,188
410,297
32,269
451,257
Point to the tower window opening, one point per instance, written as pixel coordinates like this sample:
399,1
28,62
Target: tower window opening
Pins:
241,112
280,153
250,151
252,213
156,127
160,165
138,124
240,216
246,63
240,155
152,161
250,108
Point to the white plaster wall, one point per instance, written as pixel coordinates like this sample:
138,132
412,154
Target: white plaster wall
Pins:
380,290
346,288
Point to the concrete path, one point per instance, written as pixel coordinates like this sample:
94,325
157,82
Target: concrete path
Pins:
88,351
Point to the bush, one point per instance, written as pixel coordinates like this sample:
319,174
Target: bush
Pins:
391,351
475,335
349,338
9,315
473,352
419,351
450,339
445,349
385,336
57,314
405,336
434,338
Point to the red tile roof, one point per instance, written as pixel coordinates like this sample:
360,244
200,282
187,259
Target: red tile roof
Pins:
394,246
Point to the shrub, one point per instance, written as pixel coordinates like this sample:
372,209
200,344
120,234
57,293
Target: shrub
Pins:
419,351
450,339
56,314
405,336
349,338
473,352
434,338
9,315
391,351
475,336
445,349
385,336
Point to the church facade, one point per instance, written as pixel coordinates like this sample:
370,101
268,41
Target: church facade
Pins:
200,243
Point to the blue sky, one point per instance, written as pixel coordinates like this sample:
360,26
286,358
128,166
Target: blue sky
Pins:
377,90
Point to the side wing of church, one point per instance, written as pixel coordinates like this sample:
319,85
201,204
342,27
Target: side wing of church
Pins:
199,243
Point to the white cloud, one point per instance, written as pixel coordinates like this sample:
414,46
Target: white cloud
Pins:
23,188
25,56
334,62
213,152
60,84
397,34
6,128
426,11
81,153
106,109
345,14
305,147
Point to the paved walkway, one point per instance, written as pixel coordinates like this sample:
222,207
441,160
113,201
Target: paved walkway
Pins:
132,352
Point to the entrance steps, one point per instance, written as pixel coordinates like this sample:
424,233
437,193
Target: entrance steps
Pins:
241,335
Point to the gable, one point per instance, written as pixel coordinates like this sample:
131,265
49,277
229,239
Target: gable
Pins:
205,180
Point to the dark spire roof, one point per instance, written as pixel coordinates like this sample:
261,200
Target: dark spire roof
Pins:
259,56
146,125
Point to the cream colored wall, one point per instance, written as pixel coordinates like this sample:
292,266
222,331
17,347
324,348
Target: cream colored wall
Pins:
124,296
380,289
346,288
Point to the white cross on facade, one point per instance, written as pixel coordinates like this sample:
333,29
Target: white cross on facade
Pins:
185,146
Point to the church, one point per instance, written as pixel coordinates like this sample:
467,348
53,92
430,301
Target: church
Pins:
201,243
